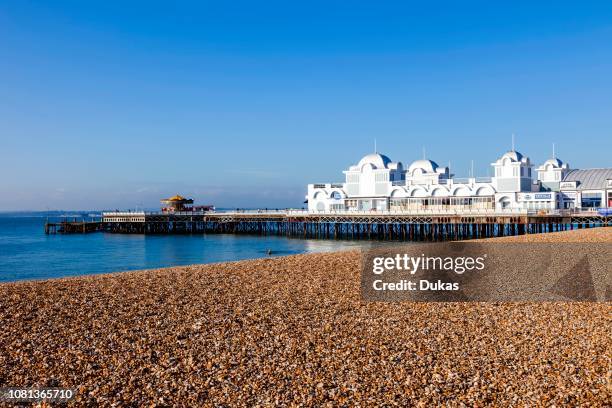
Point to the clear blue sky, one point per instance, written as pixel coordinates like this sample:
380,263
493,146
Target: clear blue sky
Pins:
115,104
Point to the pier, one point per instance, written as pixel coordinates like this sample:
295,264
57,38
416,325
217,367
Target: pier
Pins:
398,226
73,226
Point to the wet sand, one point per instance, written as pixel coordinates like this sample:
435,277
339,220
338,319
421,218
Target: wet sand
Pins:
294,331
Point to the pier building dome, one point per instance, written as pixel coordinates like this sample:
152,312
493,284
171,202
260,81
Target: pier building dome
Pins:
556,163
426,166
513,155
550,174
176,198
379,161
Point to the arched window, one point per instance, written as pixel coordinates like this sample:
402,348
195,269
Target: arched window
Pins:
504,202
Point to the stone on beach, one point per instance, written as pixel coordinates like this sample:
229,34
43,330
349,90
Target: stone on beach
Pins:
294,331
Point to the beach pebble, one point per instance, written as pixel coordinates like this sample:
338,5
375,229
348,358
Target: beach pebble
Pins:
294,331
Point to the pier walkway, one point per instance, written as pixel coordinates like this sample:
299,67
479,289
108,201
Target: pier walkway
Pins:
425,225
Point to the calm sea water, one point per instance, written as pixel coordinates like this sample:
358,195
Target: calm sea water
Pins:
27,253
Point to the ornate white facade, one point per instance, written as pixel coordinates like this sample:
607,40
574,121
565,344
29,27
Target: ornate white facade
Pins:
376,183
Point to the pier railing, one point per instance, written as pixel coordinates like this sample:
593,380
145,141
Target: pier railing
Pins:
412,211
424,211
408,224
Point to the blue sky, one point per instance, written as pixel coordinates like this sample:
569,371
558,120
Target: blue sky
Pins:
241,104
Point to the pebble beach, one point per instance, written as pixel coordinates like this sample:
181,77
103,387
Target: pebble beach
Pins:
294,331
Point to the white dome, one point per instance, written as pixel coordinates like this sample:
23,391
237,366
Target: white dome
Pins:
513,155
556,163
379,161
427,166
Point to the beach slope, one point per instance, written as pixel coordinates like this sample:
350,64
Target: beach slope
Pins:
294,330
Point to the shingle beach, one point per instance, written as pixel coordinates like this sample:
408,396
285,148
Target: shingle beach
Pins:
294,331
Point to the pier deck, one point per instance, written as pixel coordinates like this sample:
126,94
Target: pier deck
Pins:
421,226
73,227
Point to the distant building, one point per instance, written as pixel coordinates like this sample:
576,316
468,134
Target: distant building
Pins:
376,183
176,203
179,203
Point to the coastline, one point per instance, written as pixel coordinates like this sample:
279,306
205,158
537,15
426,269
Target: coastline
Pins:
293,329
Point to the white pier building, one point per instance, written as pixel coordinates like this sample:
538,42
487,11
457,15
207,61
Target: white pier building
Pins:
376,183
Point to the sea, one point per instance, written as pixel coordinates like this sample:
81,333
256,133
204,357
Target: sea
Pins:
27,253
